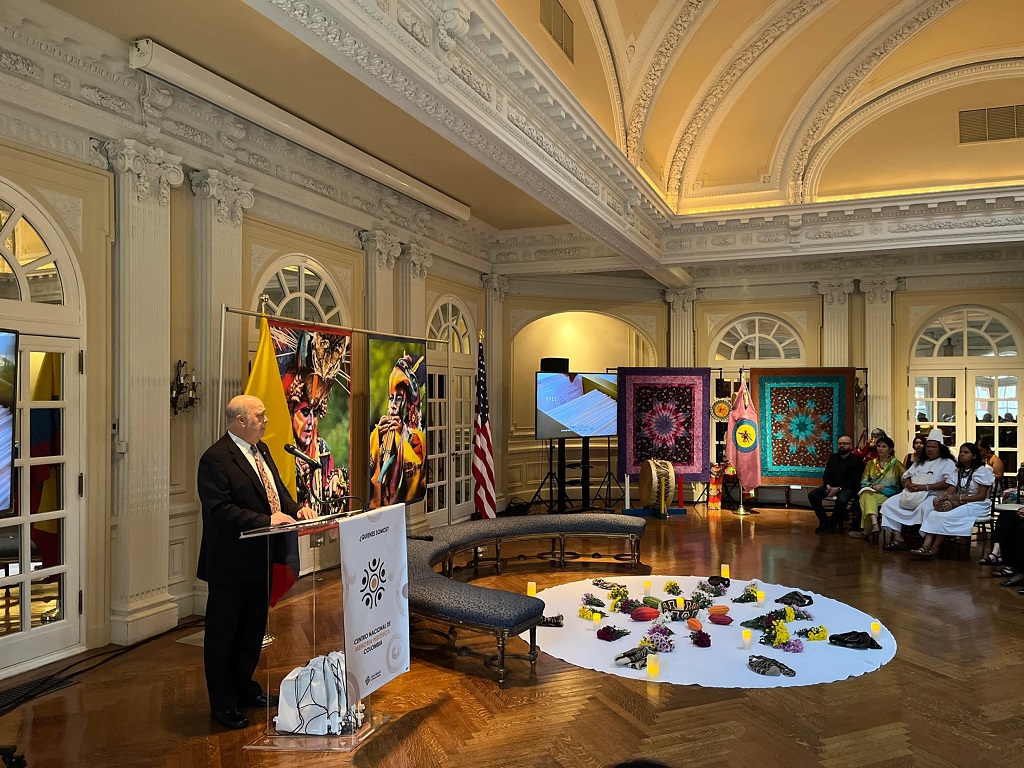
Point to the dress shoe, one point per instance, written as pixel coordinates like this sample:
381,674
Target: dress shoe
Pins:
261,702
1013,582
230,718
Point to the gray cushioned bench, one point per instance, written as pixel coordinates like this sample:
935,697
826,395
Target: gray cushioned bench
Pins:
436,597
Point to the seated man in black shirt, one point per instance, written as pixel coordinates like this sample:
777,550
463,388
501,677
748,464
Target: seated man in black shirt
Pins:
841,482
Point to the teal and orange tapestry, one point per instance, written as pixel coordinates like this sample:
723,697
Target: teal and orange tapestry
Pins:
802,413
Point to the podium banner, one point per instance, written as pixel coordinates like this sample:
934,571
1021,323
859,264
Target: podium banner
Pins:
375,578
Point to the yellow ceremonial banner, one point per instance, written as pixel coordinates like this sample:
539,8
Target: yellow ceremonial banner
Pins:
265,383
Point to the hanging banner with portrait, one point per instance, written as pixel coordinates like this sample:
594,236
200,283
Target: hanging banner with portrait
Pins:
315,364
398,437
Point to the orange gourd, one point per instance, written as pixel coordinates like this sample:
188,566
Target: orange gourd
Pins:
694,624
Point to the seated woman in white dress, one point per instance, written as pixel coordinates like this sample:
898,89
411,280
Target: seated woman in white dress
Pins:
954,511
935,472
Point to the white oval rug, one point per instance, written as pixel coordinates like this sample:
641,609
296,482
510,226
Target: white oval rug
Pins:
724,664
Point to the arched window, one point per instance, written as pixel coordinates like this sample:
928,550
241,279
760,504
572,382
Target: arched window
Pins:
28,271
759,337
972,332
449,322
301,292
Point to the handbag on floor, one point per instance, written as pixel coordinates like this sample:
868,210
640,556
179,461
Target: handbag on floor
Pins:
313,698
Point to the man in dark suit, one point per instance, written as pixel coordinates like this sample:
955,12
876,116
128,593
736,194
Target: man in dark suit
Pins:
840,481
240,490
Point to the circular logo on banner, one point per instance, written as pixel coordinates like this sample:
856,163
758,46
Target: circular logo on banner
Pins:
744,435
720,409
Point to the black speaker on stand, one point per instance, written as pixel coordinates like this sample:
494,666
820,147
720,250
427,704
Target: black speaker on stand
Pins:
554,365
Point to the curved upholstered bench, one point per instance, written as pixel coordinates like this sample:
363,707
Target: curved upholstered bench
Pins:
436,597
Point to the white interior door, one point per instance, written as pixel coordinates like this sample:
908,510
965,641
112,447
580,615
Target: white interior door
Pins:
41,534
449,446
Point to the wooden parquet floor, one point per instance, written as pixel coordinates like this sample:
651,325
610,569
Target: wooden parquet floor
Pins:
952,697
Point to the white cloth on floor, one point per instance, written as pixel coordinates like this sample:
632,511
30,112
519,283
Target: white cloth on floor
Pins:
894,516
959,521
724,664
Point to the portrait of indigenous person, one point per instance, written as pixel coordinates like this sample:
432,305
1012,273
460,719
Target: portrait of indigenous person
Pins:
315,366
398,444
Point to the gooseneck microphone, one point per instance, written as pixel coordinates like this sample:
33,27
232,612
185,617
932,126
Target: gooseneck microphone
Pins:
313,463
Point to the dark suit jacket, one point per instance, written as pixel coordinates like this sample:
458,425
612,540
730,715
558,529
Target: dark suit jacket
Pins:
234,500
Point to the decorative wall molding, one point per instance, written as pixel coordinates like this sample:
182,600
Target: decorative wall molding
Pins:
146,163
879,288
681,299
259,255
233,195
496,286
20,65
419,257
69,209
381,247
834,291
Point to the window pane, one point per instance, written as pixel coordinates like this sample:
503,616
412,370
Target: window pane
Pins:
978,345
945,387
28,245
290,275
947,410
275,290
925,412
47,376
312,282
46,431
47,600
312,313
47,539
292,308
766,350
6,209
46,488
1005,347
44,284
9,288
327,301
10,550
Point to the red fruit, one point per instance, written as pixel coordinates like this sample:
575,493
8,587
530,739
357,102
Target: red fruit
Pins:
720,618
645,613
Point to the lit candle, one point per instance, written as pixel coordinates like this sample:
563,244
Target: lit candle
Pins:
647,588
760,597
597,621
725,570
653,666
747,638
876,630
531,588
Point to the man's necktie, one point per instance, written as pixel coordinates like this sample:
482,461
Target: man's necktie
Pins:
268,482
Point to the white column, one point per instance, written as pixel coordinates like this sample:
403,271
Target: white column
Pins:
835,325
413,262
681,351
220,200
141,605
495,288
878,350
382,250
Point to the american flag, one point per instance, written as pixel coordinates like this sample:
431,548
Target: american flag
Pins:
483,449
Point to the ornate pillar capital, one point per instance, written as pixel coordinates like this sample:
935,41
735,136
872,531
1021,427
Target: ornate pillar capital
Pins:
380,247
880,288
419,258
232,195
495,285
834,291
681,299
146,163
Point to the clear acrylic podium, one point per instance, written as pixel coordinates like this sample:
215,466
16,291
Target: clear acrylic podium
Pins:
301,635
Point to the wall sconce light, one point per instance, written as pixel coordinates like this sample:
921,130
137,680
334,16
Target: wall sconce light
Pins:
184,388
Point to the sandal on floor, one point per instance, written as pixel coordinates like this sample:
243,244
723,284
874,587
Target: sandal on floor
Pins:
924,553
1005,572
896,545
857,535
1013,581
991,559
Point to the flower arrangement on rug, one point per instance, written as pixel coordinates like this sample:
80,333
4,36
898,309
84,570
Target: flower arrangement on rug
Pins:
701,639
625,605
659,637
702,599
591,600
589,613
611,634
618,592
715,590
673,588
749,594
813,633
777,636
786,614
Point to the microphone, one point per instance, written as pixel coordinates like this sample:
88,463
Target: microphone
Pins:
313,463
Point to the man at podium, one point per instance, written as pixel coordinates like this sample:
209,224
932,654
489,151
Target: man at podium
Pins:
240,490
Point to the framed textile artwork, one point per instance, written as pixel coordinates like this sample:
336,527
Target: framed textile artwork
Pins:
802,412
663,413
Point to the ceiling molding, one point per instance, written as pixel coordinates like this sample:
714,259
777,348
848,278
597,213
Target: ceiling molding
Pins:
760,42
865,113
599,31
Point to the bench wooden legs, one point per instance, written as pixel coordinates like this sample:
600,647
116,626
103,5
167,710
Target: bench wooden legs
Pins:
447,641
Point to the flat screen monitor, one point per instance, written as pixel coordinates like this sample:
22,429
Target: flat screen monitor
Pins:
576,405
8,402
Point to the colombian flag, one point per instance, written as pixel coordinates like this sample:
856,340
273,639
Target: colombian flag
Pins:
265,383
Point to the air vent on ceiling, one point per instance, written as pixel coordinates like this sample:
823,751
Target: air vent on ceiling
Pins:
993,124
557,22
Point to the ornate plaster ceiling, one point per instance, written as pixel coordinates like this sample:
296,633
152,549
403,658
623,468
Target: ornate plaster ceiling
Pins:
724,105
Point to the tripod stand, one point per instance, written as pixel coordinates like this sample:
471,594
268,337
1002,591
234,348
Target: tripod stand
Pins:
550,480
611,497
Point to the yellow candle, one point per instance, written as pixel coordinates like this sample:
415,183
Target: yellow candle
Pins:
876,630
653,666
760,597
531,588
747,637
597,621
725,570
647,588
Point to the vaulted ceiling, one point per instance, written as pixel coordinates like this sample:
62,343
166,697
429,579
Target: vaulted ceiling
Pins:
721,104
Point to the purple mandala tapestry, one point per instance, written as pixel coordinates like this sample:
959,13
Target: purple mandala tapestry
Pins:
664,414
802,413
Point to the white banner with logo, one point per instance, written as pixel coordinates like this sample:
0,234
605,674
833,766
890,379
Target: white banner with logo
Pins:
375,579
